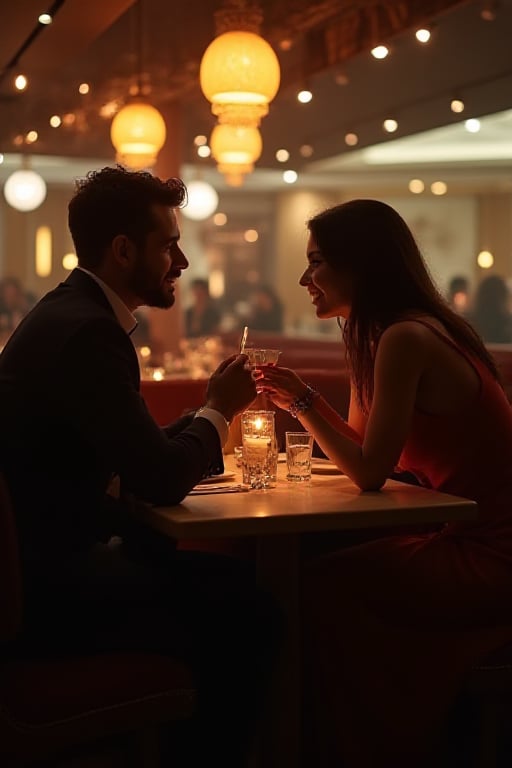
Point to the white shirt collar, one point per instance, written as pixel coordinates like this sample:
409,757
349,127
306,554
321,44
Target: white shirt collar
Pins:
126,319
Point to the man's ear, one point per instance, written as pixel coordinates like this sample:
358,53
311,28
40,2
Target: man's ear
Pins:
121,249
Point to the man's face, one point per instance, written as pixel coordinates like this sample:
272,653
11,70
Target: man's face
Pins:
159,262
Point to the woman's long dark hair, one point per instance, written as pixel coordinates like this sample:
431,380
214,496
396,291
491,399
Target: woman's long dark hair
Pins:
370,243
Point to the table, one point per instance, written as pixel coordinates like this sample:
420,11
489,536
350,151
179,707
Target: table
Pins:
277,517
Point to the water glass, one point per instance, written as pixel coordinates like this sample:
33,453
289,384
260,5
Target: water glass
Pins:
299,448
259,449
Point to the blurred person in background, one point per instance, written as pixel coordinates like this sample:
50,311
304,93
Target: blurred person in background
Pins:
15,302
266,310
202,317
458,294
491,311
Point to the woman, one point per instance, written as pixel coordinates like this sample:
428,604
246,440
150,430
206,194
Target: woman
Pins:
395,623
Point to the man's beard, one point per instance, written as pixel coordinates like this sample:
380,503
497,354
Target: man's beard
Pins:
145,287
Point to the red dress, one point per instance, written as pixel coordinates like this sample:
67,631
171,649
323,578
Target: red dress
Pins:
395,624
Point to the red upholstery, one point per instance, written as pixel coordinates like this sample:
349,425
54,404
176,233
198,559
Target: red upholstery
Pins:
170,398
49,705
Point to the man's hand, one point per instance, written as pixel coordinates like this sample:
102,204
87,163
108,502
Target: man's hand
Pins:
231,387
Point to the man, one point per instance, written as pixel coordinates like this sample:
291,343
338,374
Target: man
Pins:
74,425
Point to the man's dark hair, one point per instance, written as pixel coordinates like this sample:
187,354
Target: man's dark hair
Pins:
115,201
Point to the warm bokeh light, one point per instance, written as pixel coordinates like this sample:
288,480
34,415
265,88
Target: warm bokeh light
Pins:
306,150
250,235
43,261
472,125
45,18
69,261
423,35
416,186
457,106
200,140
380,52
485,259
351,139
390,125
31,137
204,150
84,88
55,121
216,283
304,96
439,188
20,82
282,155
69,118
220,219
290,177
25,190
202,200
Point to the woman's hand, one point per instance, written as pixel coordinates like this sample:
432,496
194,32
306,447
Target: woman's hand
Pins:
282,385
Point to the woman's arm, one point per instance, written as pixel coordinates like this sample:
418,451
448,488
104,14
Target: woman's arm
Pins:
369,458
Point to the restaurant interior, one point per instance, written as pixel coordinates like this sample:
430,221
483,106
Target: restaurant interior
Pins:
405,101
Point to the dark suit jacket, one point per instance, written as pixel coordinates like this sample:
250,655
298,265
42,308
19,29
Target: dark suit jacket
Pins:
71,416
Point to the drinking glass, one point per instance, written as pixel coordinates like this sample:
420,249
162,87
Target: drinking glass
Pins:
299,448
259,357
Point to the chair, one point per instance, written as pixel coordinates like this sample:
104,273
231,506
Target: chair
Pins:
53,706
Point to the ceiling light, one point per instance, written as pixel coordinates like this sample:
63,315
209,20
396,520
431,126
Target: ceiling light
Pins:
390,125
351,139
20,82
304,96
45,18
282,155
422,35
290,177
457,106
380,52
239,72
236,145
202,201
138,134
25,190
341,78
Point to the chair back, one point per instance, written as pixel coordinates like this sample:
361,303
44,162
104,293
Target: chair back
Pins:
10,570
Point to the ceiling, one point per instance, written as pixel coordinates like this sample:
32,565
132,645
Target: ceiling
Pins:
102,42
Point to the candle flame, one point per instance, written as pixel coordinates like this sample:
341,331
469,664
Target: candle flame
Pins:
258,423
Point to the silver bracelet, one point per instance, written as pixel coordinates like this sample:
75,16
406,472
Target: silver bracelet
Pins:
304,403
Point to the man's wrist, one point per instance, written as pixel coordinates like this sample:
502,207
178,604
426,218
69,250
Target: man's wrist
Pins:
217,418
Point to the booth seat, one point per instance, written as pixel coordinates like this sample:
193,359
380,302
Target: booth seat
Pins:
167,400
502,354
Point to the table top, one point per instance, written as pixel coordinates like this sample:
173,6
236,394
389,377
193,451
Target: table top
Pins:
327,502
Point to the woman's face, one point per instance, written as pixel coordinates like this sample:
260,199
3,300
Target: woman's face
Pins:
330,290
